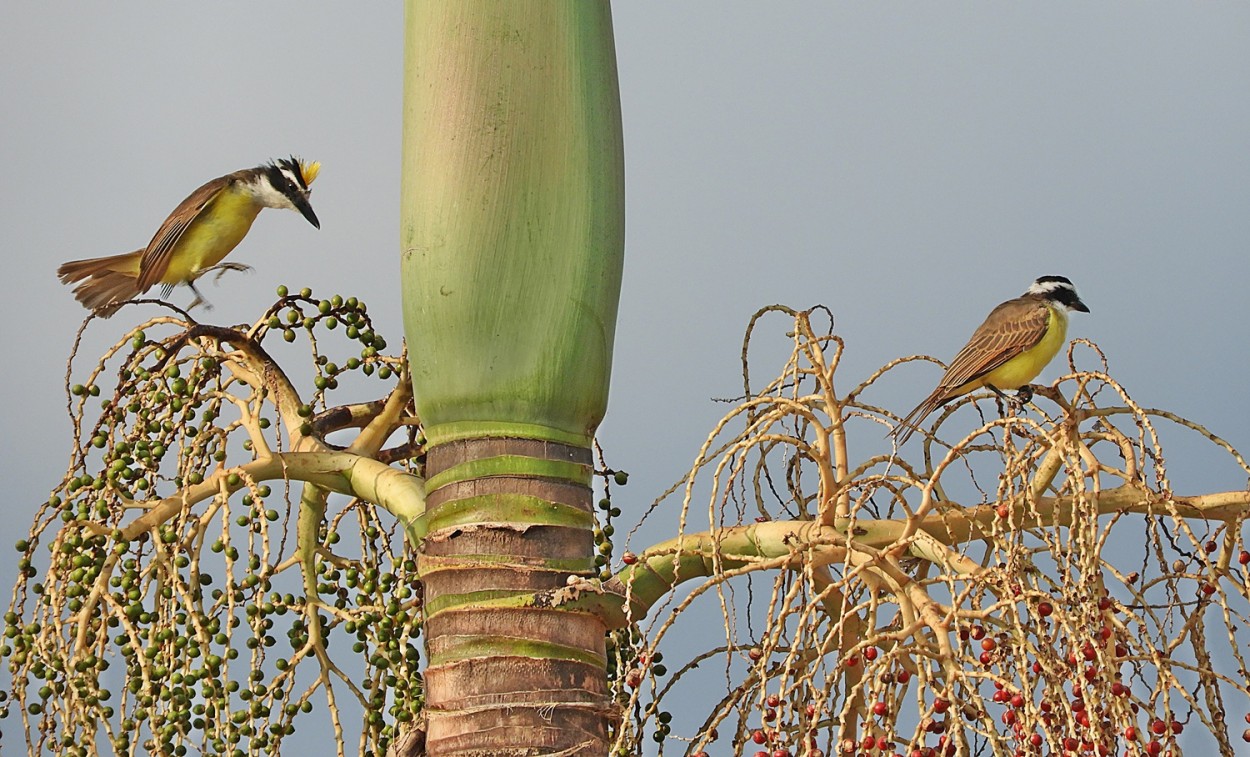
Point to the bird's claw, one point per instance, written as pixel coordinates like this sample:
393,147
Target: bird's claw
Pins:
1016,402
221,268
199,298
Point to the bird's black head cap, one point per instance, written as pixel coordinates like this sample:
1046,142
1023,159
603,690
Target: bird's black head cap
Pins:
1060,290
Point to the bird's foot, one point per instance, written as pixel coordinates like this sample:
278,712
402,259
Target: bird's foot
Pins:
221,268
199,299
1022,397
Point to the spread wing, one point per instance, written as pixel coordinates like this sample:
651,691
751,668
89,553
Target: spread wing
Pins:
1011,328
155,260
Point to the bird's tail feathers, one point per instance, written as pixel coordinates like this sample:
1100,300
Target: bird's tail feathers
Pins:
910,423
103,283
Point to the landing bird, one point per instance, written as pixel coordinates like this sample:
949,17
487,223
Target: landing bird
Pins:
201,231
1014,344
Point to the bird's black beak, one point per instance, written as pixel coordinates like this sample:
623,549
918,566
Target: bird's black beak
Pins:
305,209
1078,305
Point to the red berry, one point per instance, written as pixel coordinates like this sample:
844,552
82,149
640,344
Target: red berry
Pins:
880,709
773,700
1244,557
988,644
1159,727
870,654
1045,609
629,558
758,737
940,705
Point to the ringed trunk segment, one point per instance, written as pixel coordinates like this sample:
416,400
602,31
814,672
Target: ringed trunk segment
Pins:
508,519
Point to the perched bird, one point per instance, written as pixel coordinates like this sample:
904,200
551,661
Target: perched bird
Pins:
1014,344
201,231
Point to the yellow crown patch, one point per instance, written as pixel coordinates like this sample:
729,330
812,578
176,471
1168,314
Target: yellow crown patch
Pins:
309,171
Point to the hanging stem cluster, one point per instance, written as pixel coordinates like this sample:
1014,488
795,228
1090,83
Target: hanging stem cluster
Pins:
993,596
175,555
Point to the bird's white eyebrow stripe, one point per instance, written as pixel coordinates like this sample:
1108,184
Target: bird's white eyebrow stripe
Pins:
296,180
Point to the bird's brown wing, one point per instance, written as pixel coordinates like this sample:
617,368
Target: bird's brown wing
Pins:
1010,329
155,259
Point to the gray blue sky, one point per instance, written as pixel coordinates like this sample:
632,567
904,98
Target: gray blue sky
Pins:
908,165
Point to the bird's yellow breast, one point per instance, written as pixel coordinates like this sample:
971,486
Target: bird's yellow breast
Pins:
1024,367
217,230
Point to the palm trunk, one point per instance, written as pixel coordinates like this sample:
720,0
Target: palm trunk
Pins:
513,237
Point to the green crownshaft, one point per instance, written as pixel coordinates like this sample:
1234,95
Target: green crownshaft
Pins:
512,217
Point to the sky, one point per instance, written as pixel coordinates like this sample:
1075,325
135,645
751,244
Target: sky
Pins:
907,165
